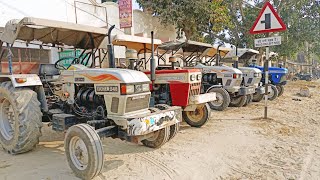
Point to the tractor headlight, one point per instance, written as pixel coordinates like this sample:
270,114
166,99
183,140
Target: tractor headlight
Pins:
127,89
192,77
199,77
146,87
256,74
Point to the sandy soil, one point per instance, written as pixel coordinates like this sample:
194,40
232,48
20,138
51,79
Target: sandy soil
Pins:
235,144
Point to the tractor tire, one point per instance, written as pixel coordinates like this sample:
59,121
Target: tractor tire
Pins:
84,151
20,119
160,138
280,90
257,97
249,100
238,101
198,117
174,129
274,93
223,99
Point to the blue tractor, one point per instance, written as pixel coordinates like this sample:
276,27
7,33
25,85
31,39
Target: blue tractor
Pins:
277,79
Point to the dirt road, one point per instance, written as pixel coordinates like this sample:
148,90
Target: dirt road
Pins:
235,144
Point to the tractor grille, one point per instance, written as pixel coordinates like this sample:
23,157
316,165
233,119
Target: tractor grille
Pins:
194,89
138,102
250,80
228,83
115,105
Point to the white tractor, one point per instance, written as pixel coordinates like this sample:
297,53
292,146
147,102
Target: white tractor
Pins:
85,102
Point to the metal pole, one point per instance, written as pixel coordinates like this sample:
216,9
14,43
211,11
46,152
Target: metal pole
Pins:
266,72
112,62
152,63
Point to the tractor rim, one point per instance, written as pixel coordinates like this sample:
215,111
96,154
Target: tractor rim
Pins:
7,122
78,153
271,93
155,136
236,100
197,114
219,100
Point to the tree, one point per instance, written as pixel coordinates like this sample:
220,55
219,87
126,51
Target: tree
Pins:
194,17
301,17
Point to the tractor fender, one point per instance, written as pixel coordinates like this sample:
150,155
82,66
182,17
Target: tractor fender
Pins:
31,81
214,86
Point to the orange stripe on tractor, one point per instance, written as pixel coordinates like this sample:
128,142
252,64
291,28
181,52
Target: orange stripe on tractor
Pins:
102,77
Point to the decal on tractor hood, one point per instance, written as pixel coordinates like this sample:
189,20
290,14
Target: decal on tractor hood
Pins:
107,89
102,77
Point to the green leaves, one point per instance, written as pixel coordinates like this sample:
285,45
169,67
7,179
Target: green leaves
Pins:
194,17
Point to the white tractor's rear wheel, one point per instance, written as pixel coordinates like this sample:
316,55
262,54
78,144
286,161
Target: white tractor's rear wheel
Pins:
20,119
198,117
84,151
159,138
223,99
238,101
273,92
257,97
280,90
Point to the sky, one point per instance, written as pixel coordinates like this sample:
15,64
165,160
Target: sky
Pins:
17,9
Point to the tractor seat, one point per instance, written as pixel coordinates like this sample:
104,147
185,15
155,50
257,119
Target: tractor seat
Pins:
48,72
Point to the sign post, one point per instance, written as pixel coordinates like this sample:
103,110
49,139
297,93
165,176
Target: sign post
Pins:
267,21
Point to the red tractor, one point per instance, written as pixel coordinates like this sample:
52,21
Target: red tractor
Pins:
178,87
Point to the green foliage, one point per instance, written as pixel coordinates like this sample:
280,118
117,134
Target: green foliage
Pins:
301,17
194,17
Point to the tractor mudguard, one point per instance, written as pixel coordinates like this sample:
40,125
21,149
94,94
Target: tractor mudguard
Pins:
214,86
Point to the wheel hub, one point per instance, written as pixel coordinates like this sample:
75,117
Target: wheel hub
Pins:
197,114
7,122
78,153
219,100
271,93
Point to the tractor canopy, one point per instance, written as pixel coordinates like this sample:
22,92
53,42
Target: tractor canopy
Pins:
51,32
140,44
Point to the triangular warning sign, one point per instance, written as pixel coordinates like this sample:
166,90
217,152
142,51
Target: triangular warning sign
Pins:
268,21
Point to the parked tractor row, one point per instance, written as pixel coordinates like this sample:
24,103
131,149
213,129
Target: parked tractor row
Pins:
141,102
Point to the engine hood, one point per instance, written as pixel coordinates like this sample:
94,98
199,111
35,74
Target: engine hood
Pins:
218,69
249,70
273,69
103,75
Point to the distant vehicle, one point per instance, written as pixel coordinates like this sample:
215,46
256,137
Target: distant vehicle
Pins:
302,76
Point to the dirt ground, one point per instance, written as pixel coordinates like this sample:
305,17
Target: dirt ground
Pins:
235,144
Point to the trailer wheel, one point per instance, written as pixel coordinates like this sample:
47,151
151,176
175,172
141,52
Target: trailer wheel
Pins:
280,90
198,117
158,139
257,97
223,99
20,119
84,151
238,101
249,100
273,94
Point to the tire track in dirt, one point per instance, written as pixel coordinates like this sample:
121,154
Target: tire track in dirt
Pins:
163,167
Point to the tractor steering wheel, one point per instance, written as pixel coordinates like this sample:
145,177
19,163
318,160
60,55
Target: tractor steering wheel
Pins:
61,67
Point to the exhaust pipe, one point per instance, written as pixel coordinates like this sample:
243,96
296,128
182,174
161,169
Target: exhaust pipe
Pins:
236,62
112,62
152,62
218,53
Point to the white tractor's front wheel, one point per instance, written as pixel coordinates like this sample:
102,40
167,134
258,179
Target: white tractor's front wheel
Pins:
20,119
84,151
273,92
159,138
